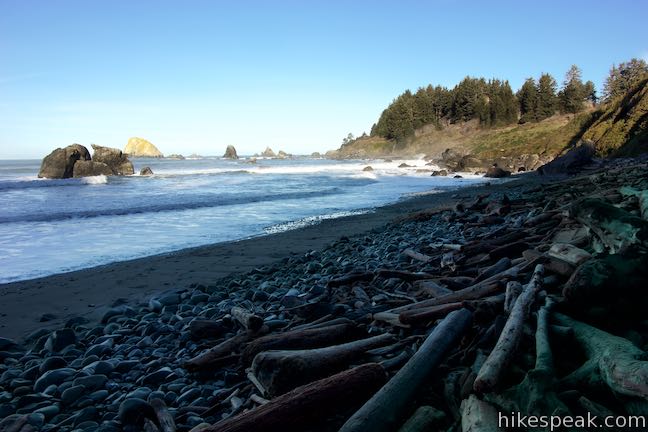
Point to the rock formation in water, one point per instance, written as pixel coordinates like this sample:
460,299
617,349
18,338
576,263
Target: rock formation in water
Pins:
139,147
114,158
86,168
268,153
230,153
175,156
60,163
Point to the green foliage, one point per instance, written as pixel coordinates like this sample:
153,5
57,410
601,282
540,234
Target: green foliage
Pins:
528,99
622,78
547,100
573,94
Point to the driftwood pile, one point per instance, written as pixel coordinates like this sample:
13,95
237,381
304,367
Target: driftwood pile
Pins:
479,334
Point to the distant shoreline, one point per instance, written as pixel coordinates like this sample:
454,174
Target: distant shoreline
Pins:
90,292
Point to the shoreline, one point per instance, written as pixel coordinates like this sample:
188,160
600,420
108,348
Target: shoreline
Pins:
90,292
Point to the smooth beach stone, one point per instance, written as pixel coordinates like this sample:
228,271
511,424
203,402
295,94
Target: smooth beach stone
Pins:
22,390
7,344
56,376
76,321
92,382
133,411
51,390
72,394
118,311
140,393
88,413
99,395
88,425
126,365
51,363
48,412
100,349
32,373
60,339
188,396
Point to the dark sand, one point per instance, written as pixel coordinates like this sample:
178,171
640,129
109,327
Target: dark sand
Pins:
90,292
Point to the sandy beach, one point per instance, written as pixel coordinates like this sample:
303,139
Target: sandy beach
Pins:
90,292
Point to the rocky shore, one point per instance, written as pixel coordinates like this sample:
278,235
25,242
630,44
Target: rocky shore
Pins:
522,297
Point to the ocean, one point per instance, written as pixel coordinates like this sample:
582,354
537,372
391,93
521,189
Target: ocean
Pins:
54,226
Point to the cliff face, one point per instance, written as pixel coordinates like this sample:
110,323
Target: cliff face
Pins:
621,127
139,147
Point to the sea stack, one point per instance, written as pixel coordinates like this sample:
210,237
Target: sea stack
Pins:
268,153
139,147
114,158
230,153
60,163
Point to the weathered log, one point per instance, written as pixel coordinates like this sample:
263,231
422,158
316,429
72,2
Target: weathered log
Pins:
425,418
165,419
282,371
500,266
214,356
425,315
402,274
307,405
612,360
478,416
569,253
391,318
384,410
642,195
417,255
431,288
202,328
513,291
512,250
350,279
246,318
490,373
616,228
298,339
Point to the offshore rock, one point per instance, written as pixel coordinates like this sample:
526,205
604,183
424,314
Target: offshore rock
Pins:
139,147
114,158
60,163
230,153
85,168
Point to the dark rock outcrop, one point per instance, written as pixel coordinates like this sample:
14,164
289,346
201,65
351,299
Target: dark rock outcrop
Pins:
146,171
60,163
439,173
114,158
368,168
230,153
497,172
86,168
572,161
283,155
455,161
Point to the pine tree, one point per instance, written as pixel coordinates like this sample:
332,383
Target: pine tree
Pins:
546,106
590,92
572,94
621,79
528,99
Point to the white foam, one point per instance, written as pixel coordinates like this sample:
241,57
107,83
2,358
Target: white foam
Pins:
95,180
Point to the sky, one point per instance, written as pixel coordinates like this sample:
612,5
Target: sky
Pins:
195,76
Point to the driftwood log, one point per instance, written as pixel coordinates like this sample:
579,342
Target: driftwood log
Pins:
478,416
307,405
490,373
165,419
247,319
384,411
282,370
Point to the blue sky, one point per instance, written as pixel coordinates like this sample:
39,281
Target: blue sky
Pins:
195,76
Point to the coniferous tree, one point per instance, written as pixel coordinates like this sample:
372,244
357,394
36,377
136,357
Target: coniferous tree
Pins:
622,78
572,95
590,92
528,99
547,101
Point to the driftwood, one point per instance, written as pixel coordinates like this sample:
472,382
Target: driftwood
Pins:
616,228
165,419
299,339
513,291
500,266
612,360
204,329
402,274
417,255
569,253
431,288
424,419
247,319
492,370
385,409
426,315
350,279
478,416
307,405
281,371
215,356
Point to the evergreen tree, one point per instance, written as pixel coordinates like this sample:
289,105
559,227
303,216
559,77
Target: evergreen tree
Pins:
572,95
547,101
621,79
590,92
528,99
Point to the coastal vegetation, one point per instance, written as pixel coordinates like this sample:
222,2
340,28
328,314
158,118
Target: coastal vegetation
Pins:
486,118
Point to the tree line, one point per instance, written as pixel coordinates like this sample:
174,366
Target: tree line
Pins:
493,103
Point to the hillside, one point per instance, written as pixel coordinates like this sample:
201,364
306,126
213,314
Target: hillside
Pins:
618,128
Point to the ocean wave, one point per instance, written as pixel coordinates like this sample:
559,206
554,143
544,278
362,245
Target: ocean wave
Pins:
312,220
40,183
205,202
